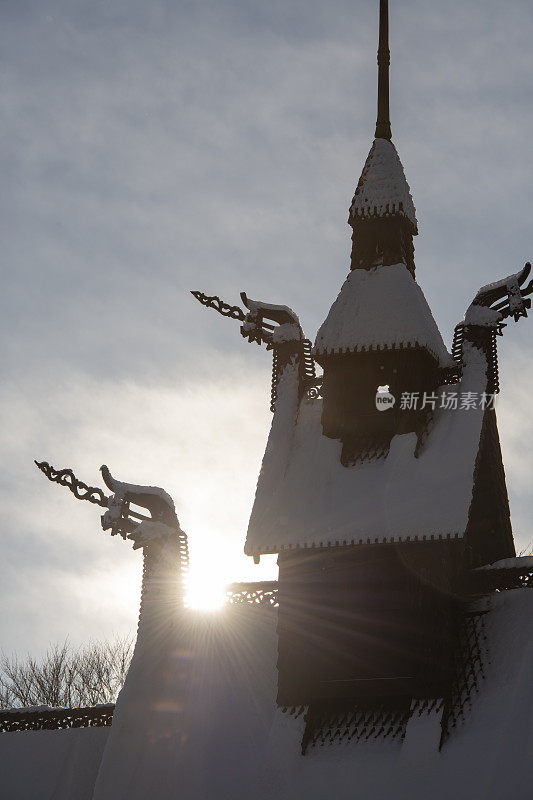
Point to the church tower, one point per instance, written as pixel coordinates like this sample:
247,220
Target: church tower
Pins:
378,513
380,330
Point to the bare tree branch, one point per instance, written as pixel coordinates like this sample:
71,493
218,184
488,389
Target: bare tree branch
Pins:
65,676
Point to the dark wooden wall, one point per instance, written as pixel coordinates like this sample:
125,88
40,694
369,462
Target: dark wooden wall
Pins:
349,388
366,622
489,536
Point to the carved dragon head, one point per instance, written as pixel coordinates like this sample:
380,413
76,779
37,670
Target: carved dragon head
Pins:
255,329
122,519
496,301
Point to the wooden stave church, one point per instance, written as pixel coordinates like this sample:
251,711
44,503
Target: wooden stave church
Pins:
396,596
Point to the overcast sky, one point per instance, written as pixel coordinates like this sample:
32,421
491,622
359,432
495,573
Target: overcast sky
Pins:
150,148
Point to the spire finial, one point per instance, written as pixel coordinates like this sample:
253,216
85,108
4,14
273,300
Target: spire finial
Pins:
383,129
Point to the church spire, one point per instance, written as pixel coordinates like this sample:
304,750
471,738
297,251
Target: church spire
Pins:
383,129
382,213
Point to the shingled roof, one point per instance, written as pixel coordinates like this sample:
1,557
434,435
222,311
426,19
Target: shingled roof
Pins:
307,498
383,190
380,308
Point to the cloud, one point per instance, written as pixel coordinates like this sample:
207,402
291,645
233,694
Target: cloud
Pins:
202,441
153,148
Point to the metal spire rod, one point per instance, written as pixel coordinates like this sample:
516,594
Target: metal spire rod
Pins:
383,129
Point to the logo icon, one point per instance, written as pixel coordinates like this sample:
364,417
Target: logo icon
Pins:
384,399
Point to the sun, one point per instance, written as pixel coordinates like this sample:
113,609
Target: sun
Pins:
205,589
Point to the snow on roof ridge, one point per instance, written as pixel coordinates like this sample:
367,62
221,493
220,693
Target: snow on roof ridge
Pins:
381,308
518,562
383,190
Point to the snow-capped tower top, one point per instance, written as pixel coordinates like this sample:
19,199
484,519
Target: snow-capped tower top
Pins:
382,190
382,213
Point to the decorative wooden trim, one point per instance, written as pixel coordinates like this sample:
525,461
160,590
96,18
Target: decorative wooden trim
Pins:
325,725
362,542
53,719
260,593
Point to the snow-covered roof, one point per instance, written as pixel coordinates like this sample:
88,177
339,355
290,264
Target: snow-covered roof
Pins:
383,190
220,734
306,498
60,764
383,307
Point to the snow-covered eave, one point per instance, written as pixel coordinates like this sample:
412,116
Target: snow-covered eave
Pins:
358,542
366,215
393,345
